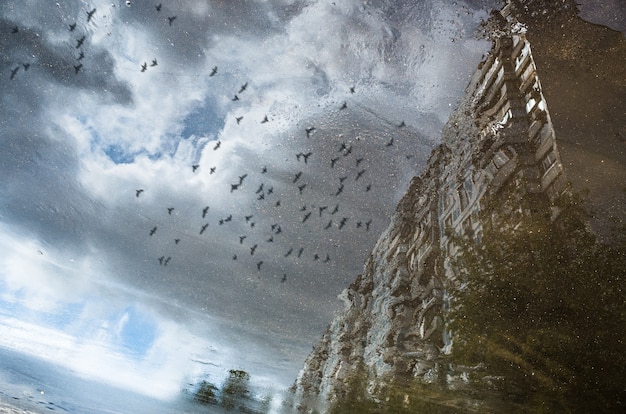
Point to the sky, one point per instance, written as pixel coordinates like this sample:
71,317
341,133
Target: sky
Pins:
186,190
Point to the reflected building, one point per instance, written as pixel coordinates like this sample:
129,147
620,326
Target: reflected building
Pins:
498,156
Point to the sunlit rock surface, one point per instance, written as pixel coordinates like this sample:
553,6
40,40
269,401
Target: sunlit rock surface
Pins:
499,152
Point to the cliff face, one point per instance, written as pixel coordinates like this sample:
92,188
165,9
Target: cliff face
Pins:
498,150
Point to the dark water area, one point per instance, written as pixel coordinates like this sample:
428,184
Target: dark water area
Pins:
30,384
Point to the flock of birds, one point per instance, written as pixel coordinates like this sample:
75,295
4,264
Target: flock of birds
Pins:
329,216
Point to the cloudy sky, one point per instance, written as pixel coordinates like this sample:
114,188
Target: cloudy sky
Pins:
287,130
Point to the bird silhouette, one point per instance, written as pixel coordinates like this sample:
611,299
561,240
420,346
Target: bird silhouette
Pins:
243,87
79,42
195,167
301,188
270,190
342,147
77,68
238,119
358,161
242,177
229,218
297,176
284,279
235,98
212,170
241,239
309,131
278,230
90,14
234,257
14,72
72,27
348,151
389,143
249,217
217,145
154,229
342,179
401,124
329,225
316,257
359,174
261,196
264,170
137,192
169,210
333,161
277,203
259,189
234,187
368,188
306,216
271,239
339,190
265,119
300,251
289,252
161,260
367,224
258,265
343,222
204,211
306,157
336,209
144,67
253,249
213,71
81,55
176,241
343,106
15,30
352,89
154,63
327,259
321,209
166,261
204,227
171,19
158,7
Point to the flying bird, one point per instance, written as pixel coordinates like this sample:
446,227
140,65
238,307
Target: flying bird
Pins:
265,119
343,106
161,260
234,257
14,72
137,192
166,261
158,7
154,63
79,42
352,89
336,209
81,55
367,224
258,265
154,229
144,67
234,187
176,241
271,239
203,228
243,87
342,147
358,161
297,176
284,279
253,249
72,27
401,124
289,252
316,256
15,29
327,259
171,19
389,143
343,222
195,167
241,239
306,216
359,174
169,210
306,157
213,71
300,251
242,177
333,161
212,170
249,217
77,68
309,131
238,119
90,14
301,188
368,188
259,189
321,209
204,211
329,225
342,179
235,98
217,145
348,151
339,190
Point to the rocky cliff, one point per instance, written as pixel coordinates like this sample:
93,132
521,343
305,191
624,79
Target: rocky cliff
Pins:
498,148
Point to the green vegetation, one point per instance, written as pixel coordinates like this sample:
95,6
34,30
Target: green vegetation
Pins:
542,304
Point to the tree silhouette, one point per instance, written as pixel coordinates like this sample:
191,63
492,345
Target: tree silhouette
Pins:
541,303
235,390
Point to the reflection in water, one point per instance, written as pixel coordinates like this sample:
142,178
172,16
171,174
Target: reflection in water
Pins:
185,195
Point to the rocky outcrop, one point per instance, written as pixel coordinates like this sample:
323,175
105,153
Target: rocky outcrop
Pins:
498,149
